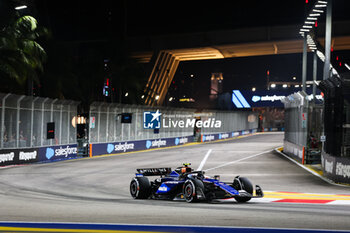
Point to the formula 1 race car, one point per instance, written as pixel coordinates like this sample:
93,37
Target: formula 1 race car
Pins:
192,186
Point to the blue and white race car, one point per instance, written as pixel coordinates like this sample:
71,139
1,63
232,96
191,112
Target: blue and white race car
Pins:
192,186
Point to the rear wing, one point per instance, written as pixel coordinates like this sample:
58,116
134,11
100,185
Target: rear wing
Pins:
154,171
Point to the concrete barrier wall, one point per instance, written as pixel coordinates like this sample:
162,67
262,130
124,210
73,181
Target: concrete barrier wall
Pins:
336,169
293,150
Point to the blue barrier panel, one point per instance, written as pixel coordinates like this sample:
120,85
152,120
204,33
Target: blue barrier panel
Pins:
221,136
129,146
54,153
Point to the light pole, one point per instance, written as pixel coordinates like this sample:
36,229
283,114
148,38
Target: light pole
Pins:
326,68
309,25
304,70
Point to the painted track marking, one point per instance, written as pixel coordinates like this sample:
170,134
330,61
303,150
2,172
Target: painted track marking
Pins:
204,160
239,160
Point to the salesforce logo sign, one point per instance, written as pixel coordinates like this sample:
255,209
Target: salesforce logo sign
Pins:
65,152
256,98
148,144
110,148
181,141
50,153
120,147
155,143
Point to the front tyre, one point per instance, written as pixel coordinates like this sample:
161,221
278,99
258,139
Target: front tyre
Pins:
189,191
242,183
140,188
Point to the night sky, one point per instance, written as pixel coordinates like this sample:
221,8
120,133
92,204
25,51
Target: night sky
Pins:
115,21
86,20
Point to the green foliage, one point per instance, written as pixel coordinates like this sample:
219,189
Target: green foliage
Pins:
21,57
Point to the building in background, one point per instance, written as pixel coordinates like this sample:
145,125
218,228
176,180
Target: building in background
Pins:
216,82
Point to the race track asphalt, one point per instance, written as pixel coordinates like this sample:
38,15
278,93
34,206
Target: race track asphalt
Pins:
97,190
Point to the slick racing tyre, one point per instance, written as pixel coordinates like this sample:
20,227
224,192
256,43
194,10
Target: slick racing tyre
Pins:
242,183
191,189
140,188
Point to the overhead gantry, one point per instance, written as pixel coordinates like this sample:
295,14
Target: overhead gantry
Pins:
219,45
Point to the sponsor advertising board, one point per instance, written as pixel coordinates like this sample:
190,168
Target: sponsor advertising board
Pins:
221,136
18,156
129,146
33,155
62,152
336,168
263,98
52,153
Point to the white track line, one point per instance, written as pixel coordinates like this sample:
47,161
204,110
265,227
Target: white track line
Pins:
239,160
204,160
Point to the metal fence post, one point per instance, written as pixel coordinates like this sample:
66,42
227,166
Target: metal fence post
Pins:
18,120
107,125
115,123
122,127
129,130
42,121
32,122
98,122
136,119
3,119
60,138
51,116
68,125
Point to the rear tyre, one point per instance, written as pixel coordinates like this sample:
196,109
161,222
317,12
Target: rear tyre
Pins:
242,183
140,188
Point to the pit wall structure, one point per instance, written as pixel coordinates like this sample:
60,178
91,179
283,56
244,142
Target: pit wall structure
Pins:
306,137
303,128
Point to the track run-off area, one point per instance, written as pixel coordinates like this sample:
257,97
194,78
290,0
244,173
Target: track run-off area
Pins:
96,190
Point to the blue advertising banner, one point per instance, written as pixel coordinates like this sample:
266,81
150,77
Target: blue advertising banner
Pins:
128,146
53,153
259,98
266,98
221,136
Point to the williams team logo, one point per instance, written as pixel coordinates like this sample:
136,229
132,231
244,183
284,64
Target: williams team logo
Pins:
152,120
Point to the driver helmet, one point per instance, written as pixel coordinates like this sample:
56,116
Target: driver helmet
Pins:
184,169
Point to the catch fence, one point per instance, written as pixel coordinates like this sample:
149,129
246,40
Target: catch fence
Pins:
24,121
106,122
